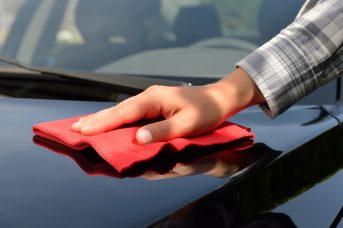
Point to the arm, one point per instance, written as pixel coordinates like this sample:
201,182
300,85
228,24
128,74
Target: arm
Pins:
186,110
304,56
285,69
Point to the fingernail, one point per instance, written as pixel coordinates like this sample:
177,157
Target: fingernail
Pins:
78,122
144,136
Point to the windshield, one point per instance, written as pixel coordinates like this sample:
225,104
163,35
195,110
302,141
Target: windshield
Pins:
202,38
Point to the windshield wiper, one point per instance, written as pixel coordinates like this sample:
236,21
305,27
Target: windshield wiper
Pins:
131,84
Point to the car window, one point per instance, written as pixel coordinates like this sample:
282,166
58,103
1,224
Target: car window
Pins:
106,31
127,36
238,18
8,12
195,41
120,29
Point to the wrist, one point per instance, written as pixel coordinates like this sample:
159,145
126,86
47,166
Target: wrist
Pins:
238,91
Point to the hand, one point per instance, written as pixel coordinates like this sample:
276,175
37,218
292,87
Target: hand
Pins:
187,111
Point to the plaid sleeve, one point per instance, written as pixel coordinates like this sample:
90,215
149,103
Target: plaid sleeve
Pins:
302,57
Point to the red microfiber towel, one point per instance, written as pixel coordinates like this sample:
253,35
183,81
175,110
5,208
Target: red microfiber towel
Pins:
120,149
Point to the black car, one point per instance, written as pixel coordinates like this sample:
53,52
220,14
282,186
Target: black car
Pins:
65,58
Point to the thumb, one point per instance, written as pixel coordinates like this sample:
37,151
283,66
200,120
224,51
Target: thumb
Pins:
162,131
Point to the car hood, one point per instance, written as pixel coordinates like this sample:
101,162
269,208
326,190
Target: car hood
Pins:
40,188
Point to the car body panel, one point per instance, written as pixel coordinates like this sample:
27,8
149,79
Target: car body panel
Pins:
301,188
299,175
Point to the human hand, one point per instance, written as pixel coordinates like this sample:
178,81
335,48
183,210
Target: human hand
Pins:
187,111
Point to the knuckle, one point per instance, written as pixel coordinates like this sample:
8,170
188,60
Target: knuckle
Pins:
124,113
120,111
187,127
156,89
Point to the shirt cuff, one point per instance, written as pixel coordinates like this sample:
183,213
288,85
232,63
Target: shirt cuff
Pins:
278,69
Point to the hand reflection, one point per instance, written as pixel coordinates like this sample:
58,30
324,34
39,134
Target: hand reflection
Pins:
219,163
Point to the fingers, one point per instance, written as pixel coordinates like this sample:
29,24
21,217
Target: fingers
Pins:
78,125
82,122
188,111
150,175
126,112
164,130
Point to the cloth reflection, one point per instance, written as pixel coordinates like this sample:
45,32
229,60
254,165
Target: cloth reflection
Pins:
220,163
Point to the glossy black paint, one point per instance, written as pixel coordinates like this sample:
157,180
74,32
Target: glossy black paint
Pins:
40,188
301,188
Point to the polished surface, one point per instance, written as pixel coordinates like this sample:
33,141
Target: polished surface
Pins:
302,188
40,188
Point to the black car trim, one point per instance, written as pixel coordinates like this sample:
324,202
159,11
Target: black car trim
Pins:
338,218
127,83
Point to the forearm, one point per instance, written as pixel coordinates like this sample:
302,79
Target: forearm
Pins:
292,64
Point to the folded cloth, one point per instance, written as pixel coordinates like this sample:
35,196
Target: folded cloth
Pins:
121,150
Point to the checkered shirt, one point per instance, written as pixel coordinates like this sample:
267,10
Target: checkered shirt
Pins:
302,57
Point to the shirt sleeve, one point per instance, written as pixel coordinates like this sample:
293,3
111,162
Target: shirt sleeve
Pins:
302,57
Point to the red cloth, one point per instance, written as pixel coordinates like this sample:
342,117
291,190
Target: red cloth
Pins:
120,149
